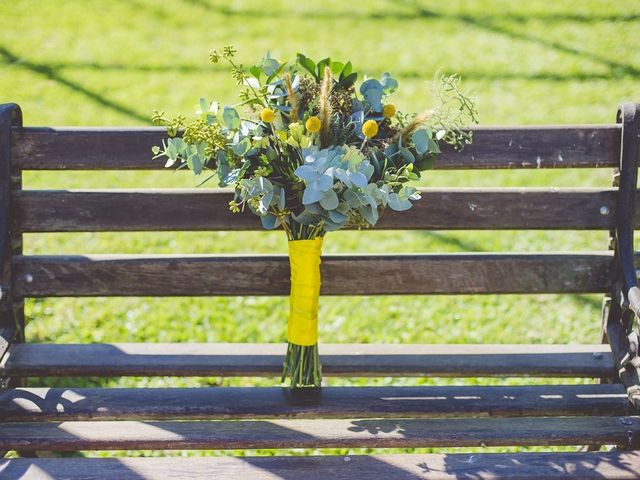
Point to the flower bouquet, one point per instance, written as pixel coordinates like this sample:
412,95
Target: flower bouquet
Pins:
308,151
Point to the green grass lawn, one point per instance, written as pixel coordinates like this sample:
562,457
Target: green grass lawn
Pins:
112,62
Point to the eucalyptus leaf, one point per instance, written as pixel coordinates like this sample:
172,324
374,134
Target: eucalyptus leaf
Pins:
420,139
231,118
330,200
311,195
407,155
222,167
397,203
358,179
242,147
204,106
270,67
195,164
269,221
388,83
372,92
433,146
337,217
369,213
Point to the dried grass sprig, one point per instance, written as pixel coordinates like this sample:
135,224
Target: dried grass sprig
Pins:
293,99
415,123
325,108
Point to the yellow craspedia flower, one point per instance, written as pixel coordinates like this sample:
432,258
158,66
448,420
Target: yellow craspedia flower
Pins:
313,124
389,110
370,128
267,115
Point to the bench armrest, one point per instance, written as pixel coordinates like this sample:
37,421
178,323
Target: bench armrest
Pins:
6,338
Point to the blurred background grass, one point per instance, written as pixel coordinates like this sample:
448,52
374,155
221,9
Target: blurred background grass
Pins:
111,62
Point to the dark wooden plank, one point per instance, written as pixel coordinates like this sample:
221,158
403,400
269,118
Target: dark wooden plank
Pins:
173,209
488,466
11,315
233,359
31,404
493,147
325,433
167,275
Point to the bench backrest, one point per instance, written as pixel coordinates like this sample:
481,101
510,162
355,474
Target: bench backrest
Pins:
171,209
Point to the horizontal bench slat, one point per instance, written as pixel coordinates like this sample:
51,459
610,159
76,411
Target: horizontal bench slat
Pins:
70,148
31,404
167,275
234,359
523,466
173,209
325,433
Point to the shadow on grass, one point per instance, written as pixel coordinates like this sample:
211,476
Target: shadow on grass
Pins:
392,13
52,73
407,74
486,23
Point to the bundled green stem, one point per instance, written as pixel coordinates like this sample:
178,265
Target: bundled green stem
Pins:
302,366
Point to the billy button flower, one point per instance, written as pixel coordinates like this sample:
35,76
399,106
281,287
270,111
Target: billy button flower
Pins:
370,128
267,115
313,124
388,110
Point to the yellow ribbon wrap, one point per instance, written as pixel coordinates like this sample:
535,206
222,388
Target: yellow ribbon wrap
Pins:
304,258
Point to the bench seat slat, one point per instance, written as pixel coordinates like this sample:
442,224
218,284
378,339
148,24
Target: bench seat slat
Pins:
439,209
197,275
325,433
531,466
241,359
31,404
566,146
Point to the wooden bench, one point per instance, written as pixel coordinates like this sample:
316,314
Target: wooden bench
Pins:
73,419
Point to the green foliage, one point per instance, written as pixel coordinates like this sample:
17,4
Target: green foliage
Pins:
341,71
307,163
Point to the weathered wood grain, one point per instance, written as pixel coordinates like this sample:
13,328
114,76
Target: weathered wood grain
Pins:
11,314
444,209
63,404
493,147
325,433
197,275
491,466
242,359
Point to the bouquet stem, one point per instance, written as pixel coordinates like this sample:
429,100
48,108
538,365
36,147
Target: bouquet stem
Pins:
302,363
302,366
